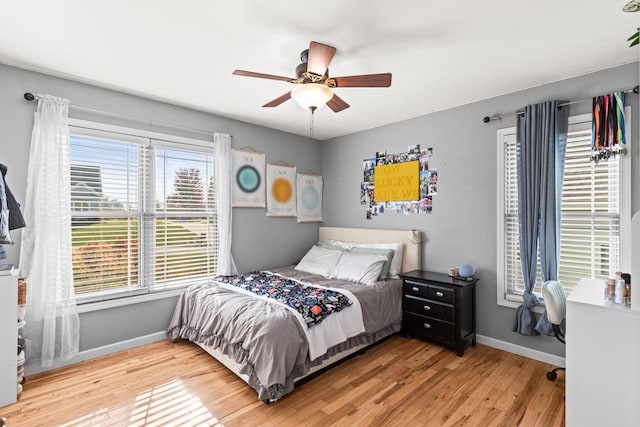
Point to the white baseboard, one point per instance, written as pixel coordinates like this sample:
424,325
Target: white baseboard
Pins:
521,350
35,367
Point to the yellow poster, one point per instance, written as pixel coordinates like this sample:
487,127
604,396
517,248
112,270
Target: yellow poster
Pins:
397,182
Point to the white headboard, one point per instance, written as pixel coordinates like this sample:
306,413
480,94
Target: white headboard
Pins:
411,240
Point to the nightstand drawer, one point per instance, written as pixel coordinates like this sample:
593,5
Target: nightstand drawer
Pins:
442,294
429,308
429,328
415,289
430,291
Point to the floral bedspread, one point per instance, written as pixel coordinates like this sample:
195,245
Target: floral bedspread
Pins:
313,303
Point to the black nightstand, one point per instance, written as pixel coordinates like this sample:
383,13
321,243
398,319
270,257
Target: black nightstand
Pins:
438,307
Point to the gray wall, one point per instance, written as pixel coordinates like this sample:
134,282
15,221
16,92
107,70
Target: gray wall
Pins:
462,226
253,232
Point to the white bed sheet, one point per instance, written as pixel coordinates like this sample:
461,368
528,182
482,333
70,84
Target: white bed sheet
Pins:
333,330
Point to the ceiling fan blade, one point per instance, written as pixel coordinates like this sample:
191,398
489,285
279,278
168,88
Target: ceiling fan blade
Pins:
261,75
364,80
279,100
320,55
337,104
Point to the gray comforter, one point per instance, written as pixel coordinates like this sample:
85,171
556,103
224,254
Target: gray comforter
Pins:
265,338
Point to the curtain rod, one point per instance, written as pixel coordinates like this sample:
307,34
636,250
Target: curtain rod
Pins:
31,97
488,119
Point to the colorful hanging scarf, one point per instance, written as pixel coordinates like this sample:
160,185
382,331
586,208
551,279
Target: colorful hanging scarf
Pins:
608,130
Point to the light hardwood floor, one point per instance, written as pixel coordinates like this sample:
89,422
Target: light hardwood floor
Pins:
398,382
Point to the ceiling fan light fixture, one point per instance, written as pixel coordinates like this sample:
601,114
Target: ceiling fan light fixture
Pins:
632,6
311,95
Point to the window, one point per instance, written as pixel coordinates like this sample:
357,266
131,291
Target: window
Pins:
595,214
142,210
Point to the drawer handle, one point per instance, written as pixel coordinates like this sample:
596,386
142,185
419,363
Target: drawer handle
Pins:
440,294
414,289
428,326
427,308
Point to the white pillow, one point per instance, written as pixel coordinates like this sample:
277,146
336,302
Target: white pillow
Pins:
396,263
336,243
360,267
320,261
388,253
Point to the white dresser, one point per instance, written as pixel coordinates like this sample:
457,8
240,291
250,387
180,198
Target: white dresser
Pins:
8,338
602,359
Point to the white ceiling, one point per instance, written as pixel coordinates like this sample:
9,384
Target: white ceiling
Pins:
441,54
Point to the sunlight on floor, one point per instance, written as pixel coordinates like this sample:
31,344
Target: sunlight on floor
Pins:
169,404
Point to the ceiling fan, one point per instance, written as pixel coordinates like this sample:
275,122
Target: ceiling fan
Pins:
314,84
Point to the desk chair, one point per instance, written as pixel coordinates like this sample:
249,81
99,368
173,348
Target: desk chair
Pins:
555,301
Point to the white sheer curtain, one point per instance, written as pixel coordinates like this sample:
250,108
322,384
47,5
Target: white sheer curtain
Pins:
45,257
222,155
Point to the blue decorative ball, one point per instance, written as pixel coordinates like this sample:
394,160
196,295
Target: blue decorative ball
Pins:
467,270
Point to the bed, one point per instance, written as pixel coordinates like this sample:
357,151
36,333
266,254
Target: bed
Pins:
268,344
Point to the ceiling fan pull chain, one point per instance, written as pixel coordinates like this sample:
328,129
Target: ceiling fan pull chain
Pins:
311,117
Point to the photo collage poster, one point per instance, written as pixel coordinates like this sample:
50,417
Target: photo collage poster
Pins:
428,179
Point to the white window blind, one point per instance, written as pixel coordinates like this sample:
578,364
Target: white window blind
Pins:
591,215
185,237
143,215
590,236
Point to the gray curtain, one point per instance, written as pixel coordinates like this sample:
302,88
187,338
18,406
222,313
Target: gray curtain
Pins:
541,133
550,207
